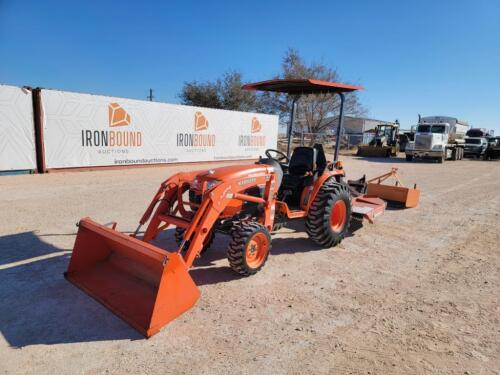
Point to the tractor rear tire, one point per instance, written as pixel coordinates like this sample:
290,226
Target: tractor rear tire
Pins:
179,236
249,248
330,214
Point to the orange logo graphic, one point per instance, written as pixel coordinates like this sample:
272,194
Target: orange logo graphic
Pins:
117,115
200,122
256,127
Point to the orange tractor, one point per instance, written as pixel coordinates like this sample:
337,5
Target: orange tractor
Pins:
149,286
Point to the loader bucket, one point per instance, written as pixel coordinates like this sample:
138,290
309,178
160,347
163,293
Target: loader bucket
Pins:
400,194
144,285
374,151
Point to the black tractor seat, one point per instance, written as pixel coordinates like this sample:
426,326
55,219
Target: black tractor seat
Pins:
306,164
303,161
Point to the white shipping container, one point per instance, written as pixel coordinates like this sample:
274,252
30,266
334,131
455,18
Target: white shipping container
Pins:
17,131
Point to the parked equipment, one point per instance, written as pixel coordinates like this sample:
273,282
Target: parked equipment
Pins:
403,141
439,138
384,144
493,150
477,141
148,286
406,137
480,133
396,194
475,147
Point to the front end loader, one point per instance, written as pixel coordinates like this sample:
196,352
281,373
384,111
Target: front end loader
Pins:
385,143
149,286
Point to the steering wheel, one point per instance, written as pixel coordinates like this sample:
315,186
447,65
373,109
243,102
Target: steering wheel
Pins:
280,157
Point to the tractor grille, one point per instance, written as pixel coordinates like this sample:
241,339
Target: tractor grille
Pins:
423,142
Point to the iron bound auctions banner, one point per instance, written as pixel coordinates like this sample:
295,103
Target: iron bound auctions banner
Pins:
83,130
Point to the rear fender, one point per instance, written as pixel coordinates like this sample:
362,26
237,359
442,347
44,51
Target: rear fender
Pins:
337,173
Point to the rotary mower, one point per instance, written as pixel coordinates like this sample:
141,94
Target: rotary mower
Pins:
149,286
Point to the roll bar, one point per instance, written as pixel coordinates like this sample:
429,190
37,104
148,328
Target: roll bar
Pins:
299,87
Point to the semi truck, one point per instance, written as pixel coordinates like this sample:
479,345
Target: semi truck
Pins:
438,138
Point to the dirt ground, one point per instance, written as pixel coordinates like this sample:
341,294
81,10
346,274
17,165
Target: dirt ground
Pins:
417,292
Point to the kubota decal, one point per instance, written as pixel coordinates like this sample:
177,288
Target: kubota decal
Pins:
247,181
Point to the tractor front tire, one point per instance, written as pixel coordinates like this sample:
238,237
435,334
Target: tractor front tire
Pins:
249,248
330,214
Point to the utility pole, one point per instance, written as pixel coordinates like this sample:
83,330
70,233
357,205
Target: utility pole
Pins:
150,96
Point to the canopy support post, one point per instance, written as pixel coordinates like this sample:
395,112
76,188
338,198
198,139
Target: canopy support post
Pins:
290,127
339,127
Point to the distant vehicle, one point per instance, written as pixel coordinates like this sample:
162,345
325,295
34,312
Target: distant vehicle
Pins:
407,137
493,149
438,138
385,143
479,133
403,141
475,147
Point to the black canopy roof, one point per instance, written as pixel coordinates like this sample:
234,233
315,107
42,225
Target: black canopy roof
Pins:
301,86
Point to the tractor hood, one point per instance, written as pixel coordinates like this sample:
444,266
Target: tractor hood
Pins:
207,179
234,171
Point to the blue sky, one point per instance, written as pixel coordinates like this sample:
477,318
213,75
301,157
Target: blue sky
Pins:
429,57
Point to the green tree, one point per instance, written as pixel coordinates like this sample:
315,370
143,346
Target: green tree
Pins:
200,94
224,93
314,114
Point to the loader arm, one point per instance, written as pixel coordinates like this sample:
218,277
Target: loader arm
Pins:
199,225
163,199
217,200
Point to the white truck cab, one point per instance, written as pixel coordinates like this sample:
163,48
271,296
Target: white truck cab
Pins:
438,138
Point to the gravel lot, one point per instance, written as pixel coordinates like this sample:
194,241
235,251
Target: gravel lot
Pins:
417,292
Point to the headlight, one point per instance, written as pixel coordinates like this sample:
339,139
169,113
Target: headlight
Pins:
212,183
437,147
